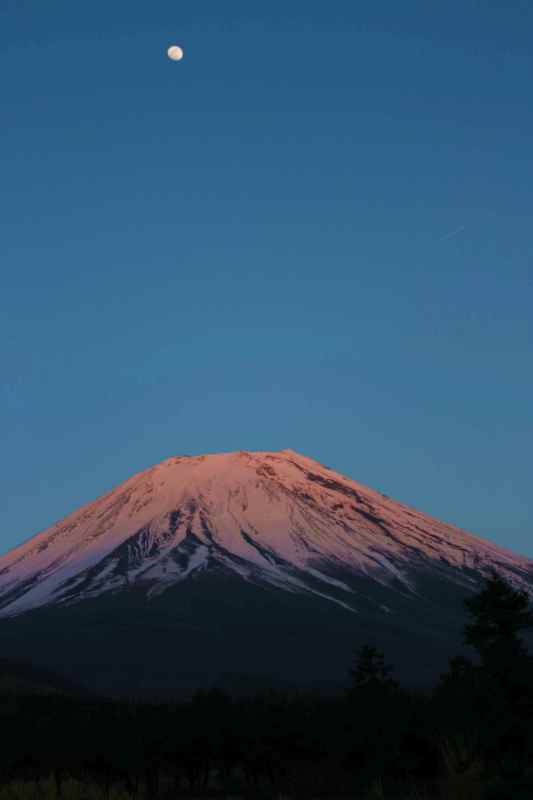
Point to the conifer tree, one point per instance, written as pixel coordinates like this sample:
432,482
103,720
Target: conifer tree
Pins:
498,614
370,669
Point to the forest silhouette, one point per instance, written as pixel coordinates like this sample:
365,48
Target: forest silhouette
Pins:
470,737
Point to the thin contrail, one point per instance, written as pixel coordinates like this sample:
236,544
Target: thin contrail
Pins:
451,234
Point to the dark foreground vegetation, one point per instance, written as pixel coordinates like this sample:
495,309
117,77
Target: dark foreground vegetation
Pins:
471,738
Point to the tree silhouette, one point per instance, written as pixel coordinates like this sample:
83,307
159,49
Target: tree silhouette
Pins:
370,669
500,688
498,614
374,711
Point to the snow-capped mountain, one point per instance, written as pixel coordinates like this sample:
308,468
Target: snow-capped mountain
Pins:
276,518
254,562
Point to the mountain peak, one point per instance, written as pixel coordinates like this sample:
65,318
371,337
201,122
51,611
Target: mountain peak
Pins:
276,518
291,562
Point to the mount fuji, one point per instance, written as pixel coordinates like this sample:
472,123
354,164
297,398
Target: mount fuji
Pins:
243,564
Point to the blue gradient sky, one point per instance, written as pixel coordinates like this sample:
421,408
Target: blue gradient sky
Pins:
314,232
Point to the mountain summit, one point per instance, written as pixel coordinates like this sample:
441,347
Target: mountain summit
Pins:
257,527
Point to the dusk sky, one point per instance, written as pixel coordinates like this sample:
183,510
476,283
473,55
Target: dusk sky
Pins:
313,232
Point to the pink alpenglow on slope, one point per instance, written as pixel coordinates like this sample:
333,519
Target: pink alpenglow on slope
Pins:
276,518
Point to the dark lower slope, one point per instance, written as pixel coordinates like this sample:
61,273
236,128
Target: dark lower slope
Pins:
215,624
25,677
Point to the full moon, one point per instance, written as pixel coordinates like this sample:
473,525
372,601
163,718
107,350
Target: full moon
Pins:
175,53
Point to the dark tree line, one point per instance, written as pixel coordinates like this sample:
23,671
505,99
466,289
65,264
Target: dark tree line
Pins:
471,737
